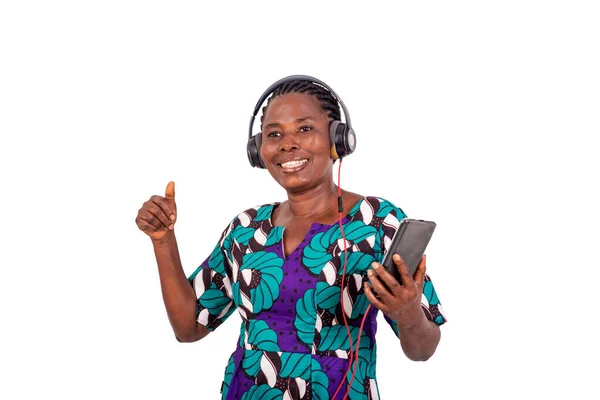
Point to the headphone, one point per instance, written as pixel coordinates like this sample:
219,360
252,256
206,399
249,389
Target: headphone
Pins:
341,135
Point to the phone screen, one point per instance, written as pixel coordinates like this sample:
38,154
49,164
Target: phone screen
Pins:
410,241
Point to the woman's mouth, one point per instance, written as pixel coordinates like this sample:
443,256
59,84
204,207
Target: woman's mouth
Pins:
293,166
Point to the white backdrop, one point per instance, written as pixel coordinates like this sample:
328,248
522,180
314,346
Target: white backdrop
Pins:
477,115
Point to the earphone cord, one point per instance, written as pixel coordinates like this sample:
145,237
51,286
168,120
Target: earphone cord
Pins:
362,324
352,356
341,210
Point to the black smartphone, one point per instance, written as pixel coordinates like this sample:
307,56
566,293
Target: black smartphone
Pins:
409,241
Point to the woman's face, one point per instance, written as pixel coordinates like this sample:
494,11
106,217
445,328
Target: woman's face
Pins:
295,142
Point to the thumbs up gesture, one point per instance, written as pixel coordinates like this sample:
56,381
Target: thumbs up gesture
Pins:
158,215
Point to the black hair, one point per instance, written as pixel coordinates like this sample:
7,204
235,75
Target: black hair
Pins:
327,101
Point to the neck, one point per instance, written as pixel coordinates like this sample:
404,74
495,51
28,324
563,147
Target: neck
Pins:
317,202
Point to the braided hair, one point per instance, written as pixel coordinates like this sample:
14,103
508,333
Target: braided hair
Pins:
328,102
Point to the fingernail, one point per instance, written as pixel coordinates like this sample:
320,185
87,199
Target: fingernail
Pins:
172,217
370,272
171,227
375,265
397,257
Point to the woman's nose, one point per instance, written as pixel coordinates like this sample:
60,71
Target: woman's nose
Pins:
289,142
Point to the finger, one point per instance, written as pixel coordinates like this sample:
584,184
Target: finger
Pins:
373,299
407,280
159,220
154,208
393,286
420,272
170,196
379,288
165,208
146,225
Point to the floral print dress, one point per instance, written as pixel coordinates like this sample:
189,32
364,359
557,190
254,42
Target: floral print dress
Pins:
293,343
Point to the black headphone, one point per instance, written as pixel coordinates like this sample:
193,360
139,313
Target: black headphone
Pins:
341,135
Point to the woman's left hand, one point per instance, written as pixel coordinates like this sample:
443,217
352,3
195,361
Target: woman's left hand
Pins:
402,302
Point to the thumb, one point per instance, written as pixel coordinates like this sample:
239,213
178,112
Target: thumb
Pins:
170,195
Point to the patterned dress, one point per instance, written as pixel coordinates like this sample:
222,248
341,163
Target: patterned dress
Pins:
293,343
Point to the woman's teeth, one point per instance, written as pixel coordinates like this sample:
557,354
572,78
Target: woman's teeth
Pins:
293,164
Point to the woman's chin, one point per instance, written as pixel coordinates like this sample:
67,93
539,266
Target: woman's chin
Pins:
294,185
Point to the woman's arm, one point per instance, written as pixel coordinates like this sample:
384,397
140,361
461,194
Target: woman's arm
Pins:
419,336
178,294
157,219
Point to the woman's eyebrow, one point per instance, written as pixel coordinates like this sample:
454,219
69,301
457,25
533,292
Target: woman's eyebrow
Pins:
272,125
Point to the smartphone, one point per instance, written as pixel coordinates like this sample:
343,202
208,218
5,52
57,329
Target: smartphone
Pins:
409,241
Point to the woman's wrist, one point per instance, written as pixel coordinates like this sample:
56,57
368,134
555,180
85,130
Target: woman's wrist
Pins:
410,318
166,241
165,248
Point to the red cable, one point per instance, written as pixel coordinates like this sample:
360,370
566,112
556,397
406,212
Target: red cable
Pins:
362,324
352,355
351,352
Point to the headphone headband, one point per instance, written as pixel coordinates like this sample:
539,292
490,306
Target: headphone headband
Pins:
290,78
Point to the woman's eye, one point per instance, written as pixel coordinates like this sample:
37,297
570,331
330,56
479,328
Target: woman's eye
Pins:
305,128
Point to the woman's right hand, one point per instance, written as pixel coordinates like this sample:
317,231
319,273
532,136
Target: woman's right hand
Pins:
158,215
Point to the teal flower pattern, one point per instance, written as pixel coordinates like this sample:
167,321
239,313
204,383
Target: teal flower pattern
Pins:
267,290
306,311
260,337
296,365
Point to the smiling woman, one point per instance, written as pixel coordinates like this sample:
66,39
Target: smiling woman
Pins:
303,273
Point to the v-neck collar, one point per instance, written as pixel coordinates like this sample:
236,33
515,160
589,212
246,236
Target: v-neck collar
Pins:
348,217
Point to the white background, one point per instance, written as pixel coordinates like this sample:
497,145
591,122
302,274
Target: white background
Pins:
482,116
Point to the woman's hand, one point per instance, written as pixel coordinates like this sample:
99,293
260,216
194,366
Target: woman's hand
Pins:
401,302
158,215
419,337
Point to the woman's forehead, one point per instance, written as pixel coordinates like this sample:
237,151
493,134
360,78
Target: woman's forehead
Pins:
293,106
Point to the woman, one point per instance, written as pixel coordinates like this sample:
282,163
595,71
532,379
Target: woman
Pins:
283,267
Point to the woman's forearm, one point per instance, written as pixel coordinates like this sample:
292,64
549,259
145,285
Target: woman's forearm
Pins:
419,336
178,294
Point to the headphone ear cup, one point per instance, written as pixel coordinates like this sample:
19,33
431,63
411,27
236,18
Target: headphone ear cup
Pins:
253,149
342,140
333,133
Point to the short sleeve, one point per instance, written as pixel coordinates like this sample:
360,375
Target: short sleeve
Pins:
212,284
430,302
